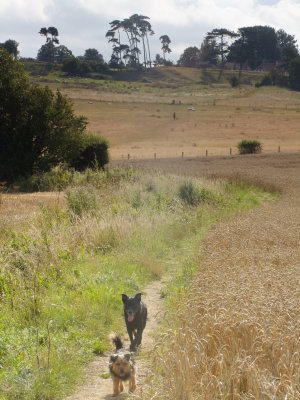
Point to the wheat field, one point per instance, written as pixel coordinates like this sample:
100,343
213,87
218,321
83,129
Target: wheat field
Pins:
237,335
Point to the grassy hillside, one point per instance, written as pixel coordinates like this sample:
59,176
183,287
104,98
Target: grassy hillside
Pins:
135,111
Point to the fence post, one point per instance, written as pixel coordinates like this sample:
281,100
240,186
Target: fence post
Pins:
230,151
206,153
182,155
155,156
128,156
278,149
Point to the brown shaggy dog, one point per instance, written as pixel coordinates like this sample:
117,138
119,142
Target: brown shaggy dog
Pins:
121,367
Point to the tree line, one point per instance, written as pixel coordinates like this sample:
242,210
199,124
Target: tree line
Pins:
130,42
248,48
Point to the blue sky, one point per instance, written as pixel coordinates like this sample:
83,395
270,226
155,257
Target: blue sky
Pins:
82,24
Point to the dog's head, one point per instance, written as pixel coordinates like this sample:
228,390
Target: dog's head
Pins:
121,365
132,306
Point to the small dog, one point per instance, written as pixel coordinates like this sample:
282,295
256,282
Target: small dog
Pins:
135,314
121,367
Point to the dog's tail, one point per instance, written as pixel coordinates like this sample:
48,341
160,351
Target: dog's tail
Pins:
117,341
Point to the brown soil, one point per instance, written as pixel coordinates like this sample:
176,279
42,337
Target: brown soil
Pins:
96,387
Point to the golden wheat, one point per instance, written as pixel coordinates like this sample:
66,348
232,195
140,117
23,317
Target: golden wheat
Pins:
238,334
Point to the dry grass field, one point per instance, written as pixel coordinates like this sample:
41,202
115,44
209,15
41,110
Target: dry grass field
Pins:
237,334
137,117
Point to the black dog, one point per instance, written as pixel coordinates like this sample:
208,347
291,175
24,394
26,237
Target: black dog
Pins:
135,314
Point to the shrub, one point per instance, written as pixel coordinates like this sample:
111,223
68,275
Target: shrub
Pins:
82,200
93,154
249,147
58,178
266,80
189,193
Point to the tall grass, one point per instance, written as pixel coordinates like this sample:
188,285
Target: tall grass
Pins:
62,271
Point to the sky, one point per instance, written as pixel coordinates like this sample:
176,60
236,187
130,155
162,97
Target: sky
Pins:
82,24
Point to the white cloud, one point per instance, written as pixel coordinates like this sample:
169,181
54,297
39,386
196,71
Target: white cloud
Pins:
26,10
186,21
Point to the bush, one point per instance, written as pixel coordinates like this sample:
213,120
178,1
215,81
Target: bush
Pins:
58,179
266,80
249,147
82,200
93,153
192,195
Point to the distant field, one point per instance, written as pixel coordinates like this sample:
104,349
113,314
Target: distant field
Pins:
137,116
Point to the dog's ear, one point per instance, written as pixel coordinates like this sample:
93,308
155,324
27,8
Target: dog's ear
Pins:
113,358
138,296
124,297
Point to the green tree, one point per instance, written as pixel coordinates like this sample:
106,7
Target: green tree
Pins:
11,46
165,41
221,36
93,55
137,28
287,47
209,51
61,53
190,57
47,51
38,128
256,45
294,73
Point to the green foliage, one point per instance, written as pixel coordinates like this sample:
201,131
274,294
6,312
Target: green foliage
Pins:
249,146
190,57
294,74
191,195
82,200
54,263
11,46
38,128
57,179
266,80
93,153
76,66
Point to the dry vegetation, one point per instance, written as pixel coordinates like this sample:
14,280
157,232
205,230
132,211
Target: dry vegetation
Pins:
236,335
137,117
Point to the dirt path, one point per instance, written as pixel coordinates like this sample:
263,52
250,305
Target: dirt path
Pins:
96,387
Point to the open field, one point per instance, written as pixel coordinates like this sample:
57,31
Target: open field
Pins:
236,334
137,116
232,326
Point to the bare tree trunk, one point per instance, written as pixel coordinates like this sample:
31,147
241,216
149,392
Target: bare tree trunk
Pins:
148,51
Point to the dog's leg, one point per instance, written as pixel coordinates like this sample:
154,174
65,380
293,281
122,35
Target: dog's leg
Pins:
132,384
139,335
130,335
121,386
116,386
132,338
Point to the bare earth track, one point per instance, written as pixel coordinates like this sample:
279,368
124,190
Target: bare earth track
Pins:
96,387
272,243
